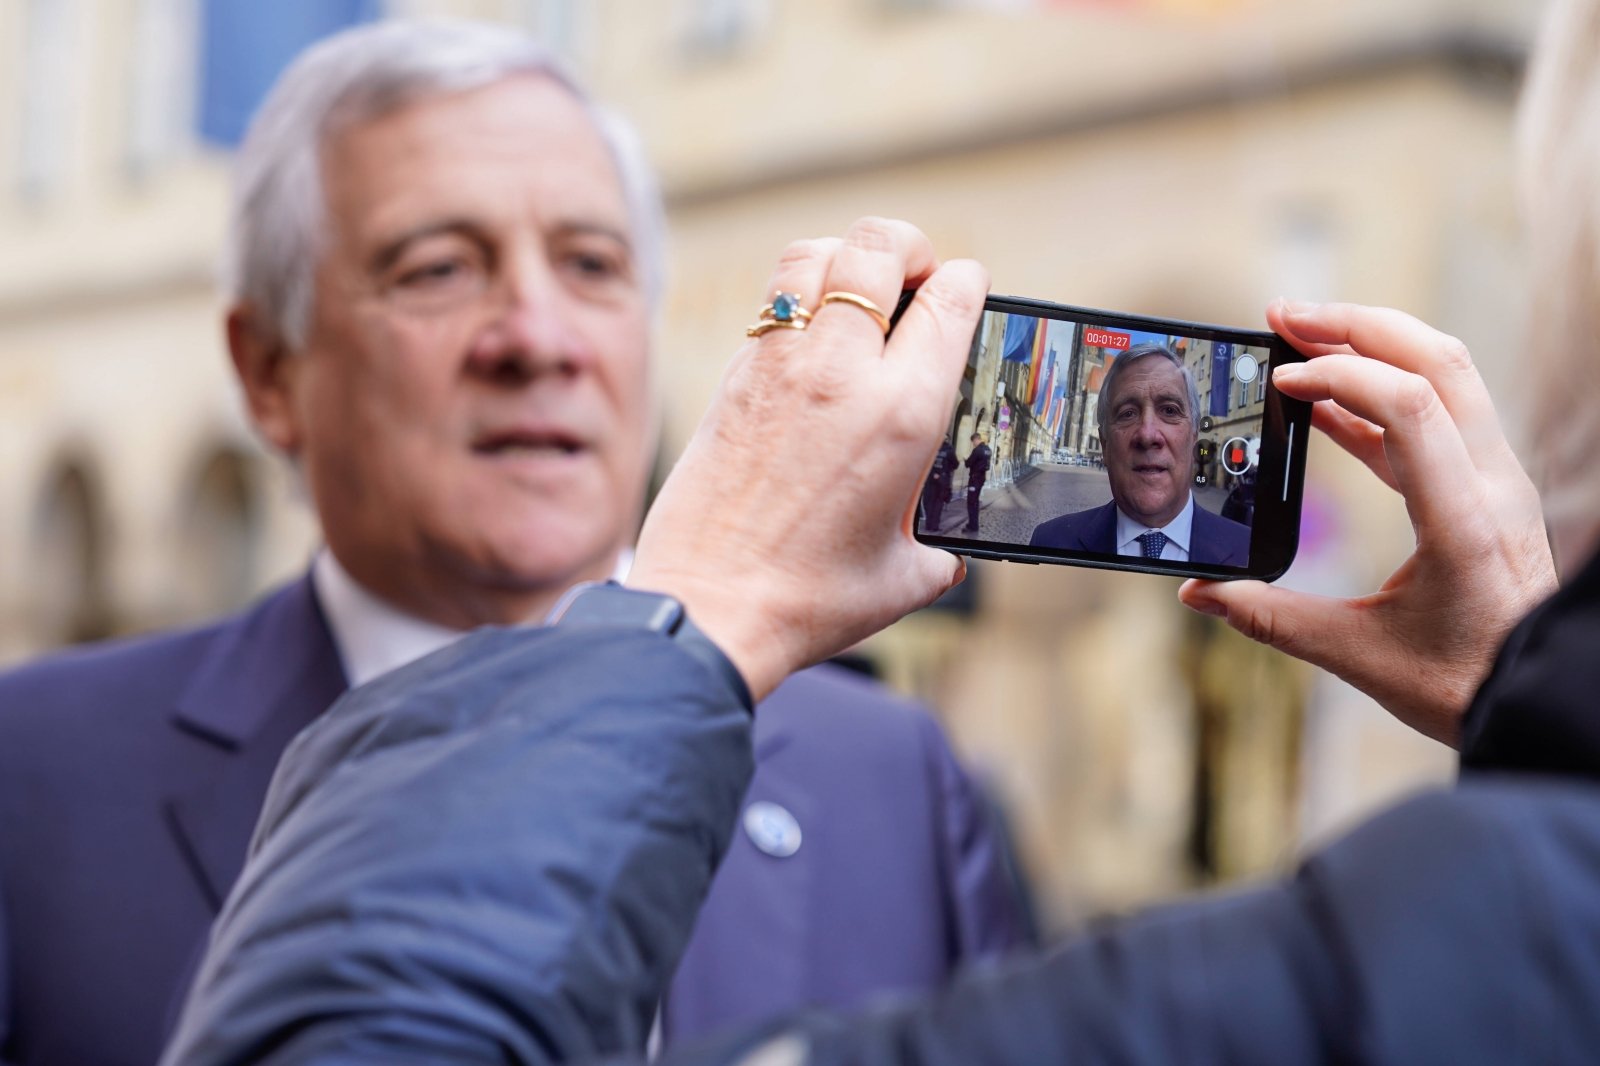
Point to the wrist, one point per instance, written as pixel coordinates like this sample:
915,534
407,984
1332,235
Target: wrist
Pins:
608,604
733,622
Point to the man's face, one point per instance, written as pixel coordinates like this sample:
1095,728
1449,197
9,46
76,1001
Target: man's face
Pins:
471,407
1149,441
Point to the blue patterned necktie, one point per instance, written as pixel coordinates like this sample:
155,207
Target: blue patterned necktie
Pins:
1152,543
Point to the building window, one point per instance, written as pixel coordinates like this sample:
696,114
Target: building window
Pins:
720,27
558,24
1261,387
51,59
161,100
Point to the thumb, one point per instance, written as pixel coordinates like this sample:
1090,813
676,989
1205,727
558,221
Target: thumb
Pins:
1318,629
939,571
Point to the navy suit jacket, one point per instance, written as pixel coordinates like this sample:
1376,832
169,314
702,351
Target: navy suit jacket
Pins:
131,776
1213,539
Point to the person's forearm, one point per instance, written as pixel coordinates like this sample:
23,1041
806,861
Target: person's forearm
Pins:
495,852
1213,982
1440,931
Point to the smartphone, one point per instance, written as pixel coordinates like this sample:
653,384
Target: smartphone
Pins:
1103,439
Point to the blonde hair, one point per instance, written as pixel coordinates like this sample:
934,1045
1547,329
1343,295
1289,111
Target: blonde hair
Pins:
1559,143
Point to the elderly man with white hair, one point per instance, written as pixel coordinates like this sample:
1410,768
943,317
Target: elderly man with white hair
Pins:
444,267
1149,417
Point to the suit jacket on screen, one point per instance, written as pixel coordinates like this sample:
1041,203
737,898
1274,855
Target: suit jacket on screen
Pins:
131,776
1212,539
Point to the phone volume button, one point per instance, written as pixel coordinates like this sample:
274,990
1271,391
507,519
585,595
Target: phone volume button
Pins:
1288,462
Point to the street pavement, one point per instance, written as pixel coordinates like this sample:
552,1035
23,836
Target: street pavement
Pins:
1007,514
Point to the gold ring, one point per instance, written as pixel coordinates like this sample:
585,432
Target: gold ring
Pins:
766,325
769,313
784,312
855,300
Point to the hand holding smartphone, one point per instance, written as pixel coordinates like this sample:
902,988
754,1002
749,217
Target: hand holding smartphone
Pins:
1096,438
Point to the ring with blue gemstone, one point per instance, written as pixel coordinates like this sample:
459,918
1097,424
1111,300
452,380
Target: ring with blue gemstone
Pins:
784,312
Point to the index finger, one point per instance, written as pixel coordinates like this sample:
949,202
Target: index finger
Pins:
1427,457
1412,345
929,348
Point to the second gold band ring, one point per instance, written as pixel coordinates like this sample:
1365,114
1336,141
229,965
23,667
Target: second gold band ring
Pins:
857,300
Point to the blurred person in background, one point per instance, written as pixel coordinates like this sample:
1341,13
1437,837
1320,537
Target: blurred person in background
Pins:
1462,926
1149,417
443,270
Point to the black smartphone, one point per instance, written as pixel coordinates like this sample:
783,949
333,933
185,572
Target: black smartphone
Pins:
1097,438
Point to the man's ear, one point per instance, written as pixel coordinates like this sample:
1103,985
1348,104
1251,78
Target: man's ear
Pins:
266,371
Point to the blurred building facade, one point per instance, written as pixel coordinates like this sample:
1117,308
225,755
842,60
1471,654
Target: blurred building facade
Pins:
1187,159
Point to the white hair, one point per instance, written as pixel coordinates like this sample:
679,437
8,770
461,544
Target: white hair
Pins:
1102,407
1559,135
357,75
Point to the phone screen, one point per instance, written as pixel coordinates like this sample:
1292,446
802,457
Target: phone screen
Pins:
1120,441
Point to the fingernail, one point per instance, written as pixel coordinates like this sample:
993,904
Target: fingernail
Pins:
1299,307
1208,607
1288,371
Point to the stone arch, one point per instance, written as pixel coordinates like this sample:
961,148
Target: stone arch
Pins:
69,597
960,420
220,527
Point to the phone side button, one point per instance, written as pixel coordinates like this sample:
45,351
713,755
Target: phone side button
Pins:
980,553
1288,462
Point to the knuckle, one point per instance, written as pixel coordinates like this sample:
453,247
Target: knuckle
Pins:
824,385
899,429
747,392
1414,397
910,420
1453,354
873,234
802,251
786,370
951,301
1258,622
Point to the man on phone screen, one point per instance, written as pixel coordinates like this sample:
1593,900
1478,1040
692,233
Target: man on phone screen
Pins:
1149,417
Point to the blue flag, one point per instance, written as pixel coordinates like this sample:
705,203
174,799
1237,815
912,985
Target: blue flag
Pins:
244,46
1018,345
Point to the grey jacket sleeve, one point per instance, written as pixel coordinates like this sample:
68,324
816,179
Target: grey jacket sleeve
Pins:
1457,928
494,854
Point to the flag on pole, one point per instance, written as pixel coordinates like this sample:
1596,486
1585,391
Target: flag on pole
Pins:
1036,360
1017,347
1221,377
1041,403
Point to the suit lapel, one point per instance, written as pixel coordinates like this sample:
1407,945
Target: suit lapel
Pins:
1201,548
756,899
1101,534
1213,540
268,675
